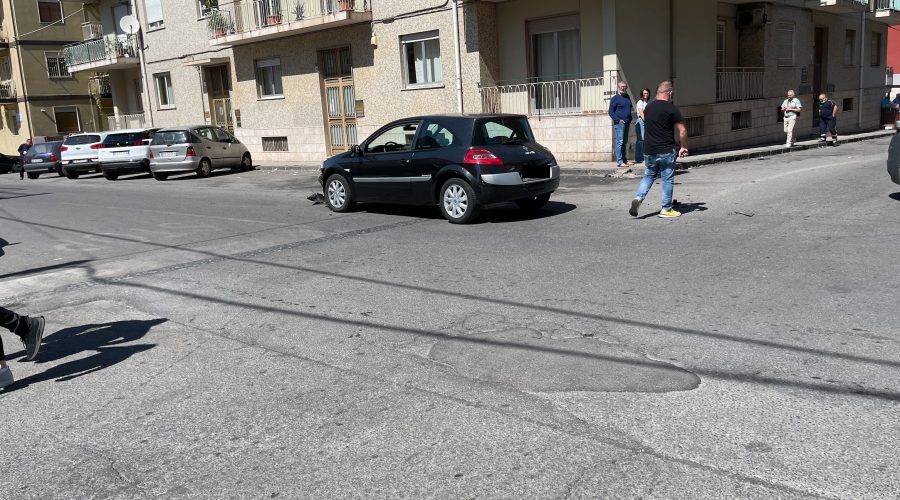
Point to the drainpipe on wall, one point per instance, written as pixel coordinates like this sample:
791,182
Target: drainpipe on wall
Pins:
456,47
862,52
140,44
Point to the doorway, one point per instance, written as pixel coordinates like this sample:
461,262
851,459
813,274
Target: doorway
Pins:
338,98
218,90
820,67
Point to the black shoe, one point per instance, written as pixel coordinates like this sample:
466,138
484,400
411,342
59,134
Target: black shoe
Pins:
33,337
635,205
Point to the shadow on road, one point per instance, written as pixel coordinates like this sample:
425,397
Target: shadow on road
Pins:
684,208
111,343
894,196
4,243
497,214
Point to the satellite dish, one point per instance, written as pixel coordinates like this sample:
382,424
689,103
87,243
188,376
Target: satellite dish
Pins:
130,25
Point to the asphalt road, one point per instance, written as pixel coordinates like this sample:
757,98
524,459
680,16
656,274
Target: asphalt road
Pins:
225,338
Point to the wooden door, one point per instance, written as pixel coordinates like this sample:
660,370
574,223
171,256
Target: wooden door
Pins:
338,99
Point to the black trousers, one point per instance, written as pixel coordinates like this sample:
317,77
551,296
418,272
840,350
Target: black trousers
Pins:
11,321
827,125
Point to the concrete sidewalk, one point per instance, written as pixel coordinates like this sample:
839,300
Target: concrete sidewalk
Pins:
609,169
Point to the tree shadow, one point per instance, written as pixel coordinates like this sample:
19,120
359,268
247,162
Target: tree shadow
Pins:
894,196
111,343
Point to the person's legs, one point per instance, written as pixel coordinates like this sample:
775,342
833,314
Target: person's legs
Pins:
667,179
619,129
8,319
29,329
639,142
650,170
823,128
625,142
832,127
789,123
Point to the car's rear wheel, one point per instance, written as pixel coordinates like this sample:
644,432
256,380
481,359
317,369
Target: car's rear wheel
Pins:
33,175
246,162
72,175
160,176
204,169
337,194
458,201
534,203
60,172
110,176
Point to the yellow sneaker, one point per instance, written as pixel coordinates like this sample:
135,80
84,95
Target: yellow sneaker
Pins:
669,214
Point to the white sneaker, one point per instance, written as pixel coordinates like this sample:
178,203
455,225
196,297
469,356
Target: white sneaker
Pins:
6,377
787,144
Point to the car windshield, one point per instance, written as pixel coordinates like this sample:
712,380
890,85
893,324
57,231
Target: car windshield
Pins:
502,130
127,139
172,137
81,139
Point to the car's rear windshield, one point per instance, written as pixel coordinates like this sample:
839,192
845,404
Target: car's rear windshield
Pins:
502,130
125,139
172,137
75,140
43,148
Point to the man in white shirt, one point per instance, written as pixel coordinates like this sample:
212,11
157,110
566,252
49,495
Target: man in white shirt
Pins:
791,108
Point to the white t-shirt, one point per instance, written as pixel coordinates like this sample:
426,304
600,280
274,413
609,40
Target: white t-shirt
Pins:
791,103
641,104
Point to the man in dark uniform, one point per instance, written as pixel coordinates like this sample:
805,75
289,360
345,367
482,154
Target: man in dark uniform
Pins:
23,148
828,112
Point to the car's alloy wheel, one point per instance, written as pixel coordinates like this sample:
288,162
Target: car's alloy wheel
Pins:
246,162
337,193
458,202
204,169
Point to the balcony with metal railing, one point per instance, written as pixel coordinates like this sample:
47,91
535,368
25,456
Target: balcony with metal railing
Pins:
105,53
91,31
739,84
838,6
565,97
134,120
7,90
887,12
249,21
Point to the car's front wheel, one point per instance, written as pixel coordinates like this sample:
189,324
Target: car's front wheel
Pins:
160,176
204,169
72,175
110,176
246,162
458,202
337,193
534,203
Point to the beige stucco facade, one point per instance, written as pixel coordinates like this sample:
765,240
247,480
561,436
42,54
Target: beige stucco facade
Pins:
33,102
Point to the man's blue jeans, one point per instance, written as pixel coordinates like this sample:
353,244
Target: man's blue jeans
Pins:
664,166
621,141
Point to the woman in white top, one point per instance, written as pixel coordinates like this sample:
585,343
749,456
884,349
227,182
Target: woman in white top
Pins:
639,126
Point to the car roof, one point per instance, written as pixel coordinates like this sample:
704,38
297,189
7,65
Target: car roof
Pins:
184,127
464,116
77,134
129,130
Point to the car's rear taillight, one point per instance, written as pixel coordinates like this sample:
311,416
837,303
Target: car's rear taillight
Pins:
53,157
63,148
99,145
190,151
482,157
137,143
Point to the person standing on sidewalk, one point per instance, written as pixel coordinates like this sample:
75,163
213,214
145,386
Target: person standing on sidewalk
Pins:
791,108
828,112
620,113
30,330
23,148
662,119
639,135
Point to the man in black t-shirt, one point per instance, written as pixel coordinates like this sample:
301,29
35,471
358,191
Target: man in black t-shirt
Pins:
661,119
828,112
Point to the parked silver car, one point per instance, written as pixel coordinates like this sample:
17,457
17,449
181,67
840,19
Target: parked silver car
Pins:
200,149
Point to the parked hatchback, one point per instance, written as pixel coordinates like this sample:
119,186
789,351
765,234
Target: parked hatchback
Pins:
126,152
43,158
199,149
80,154
458,162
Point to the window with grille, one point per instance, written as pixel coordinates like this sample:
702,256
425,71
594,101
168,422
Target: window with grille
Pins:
784,34
741,120
694,126
275,143
56,65
847,104
50,11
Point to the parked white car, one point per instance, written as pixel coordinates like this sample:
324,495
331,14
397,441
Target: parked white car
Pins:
79,153
126,152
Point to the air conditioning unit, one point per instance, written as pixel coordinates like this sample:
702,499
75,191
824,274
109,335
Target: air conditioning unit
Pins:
752,18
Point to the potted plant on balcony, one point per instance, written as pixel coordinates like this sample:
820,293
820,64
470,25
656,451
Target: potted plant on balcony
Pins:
299,11
346,5
219,24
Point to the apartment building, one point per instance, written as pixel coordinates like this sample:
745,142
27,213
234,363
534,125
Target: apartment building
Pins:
39,98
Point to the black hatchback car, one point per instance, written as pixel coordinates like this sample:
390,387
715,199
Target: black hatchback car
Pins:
43,158
458,162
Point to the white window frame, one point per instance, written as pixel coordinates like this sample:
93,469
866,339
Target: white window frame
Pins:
269,62
59,58
202,11
77,117
62,13
784,62
406,43
158,24
170,90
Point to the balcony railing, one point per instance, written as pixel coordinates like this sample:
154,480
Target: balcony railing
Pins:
887,4
91,31
109,48
553,98
135,120
738,84
248,16
7,89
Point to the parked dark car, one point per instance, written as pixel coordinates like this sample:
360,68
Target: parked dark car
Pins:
44,158
893,161
459,162
8,163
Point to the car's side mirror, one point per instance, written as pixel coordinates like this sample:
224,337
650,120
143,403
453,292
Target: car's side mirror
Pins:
357,150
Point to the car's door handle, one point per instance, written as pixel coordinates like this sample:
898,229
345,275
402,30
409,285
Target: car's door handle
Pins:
404,162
